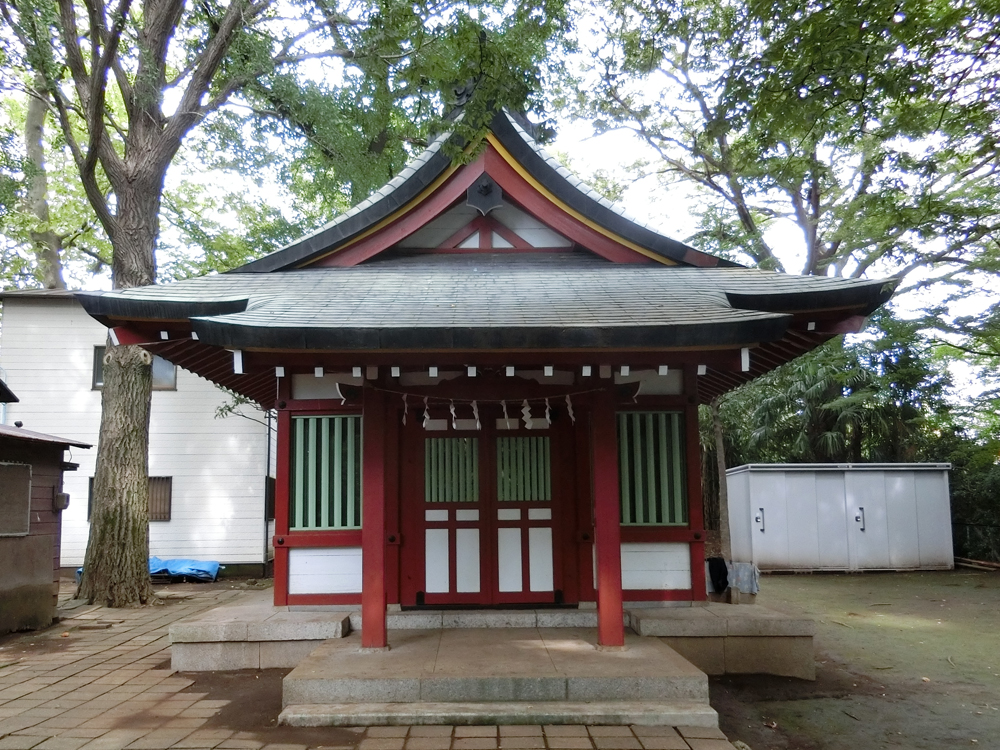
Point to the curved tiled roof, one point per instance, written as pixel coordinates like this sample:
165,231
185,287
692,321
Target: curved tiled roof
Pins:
513,132
557,300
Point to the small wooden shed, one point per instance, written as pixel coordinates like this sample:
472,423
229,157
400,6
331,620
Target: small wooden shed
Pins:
31,502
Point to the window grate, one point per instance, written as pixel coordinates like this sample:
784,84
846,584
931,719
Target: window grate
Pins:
160,491
651,469
160,498
451,470
523,470
326,473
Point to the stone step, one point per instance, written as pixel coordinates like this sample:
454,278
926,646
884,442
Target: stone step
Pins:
608,713
424,619
479,665
299,690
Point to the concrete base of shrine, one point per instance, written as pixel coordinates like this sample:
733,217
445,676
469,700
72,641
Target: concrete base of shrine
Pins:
716,638
512,675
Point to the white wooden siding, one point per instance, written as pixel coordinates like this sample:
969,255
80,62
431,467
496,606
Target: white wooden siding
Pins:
656,565
218,465
324,570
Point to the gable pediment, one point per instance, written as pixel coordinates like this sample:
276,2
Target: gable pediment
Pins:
543,207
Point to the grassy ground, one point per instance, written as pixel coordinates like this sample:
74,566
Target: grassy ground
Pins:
907,660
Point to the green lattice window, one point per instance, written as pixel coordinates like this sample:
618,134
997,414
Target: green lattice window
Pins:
523,471
326,473
651,469
451,470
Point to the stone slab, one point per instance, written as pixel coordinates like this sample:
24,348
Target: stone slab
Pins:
214,657
708,654
616,713
479,665
285,654
299,626
719,620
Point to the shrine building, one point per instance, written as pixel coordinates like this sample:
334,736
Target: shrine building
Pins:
487,380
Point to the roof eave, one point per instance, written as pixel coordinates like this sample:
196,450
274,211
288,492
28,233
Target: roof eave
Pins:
862,298
105,306
527,338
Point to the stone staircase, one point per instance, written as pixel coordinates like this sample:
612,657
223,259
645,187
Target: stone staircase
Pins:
496,676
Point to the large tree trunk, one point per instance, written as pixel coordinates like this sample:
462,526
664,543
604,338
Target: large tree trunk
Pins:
116,568
725,538
48,244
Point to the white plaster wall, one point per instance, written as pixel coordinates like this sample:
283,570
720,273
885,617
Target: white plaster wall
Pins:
218,465
656,565
324,570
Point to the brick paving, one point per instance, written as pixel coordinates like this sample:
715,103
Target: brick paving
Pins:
108,686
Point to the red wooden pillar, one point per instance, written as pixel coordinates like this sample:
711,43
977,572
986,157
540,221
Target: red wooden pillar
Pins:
281,515
696,511
607,526
373,526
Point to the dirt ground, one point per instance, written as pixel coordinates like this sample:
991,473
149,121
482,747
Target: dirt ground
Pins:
907,660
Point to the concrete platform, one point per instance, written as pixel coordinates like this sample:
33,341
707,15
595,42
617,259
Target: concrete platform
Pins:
513,675
253,634
734,639
615,713
717,638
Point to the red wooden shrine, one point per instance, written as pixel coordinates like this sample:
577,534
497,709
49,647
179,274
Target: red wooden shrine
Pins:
487,382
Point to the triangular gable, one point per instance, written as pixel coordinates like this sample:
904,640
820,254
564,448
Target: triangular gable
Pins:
506,227
431,192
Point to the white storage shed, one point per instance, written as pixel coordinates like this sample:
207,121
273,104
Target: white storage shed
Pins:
841,516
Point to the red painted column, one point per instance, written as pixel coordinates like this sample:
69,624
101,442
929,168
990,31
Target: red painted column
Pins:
696,510
281,501
373,528
607,526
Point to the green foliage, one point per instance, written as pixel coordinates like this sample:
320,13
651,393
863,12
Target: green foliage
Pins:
878,399
11,175
339,96
401,69
871,126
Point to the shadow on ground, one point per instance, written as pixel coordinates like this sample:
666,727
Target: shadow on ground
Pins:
254,704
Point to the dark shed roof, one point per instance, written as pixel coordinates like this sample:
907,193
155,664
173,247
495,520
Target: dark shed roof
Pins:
6,394
19,433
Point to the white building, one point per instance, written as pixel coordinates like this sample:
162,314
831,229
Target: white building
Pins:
208,476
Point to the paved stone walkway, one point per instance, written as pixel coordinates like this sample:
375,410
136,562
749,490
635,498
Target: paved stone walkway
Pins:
101,680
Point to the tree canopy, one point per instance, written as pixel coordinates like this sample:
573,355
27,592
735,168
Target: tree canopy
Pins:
870,126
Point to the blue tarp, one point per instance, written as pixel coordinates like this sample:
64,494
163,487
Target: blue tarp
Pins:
203,571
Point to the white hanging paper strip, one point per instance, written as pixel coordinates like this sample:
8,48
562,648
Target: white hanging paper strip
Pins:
569,409
526,413
427,413
340,395
506,417
548,412
454,417
406,409
475,413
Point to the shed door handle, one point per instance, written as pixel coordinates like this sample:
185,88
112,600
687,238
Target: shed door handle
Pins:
860,517
759,518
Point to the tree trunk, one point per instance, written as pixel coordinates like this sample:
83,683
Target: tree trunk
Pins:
48,244
116,567
725,539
